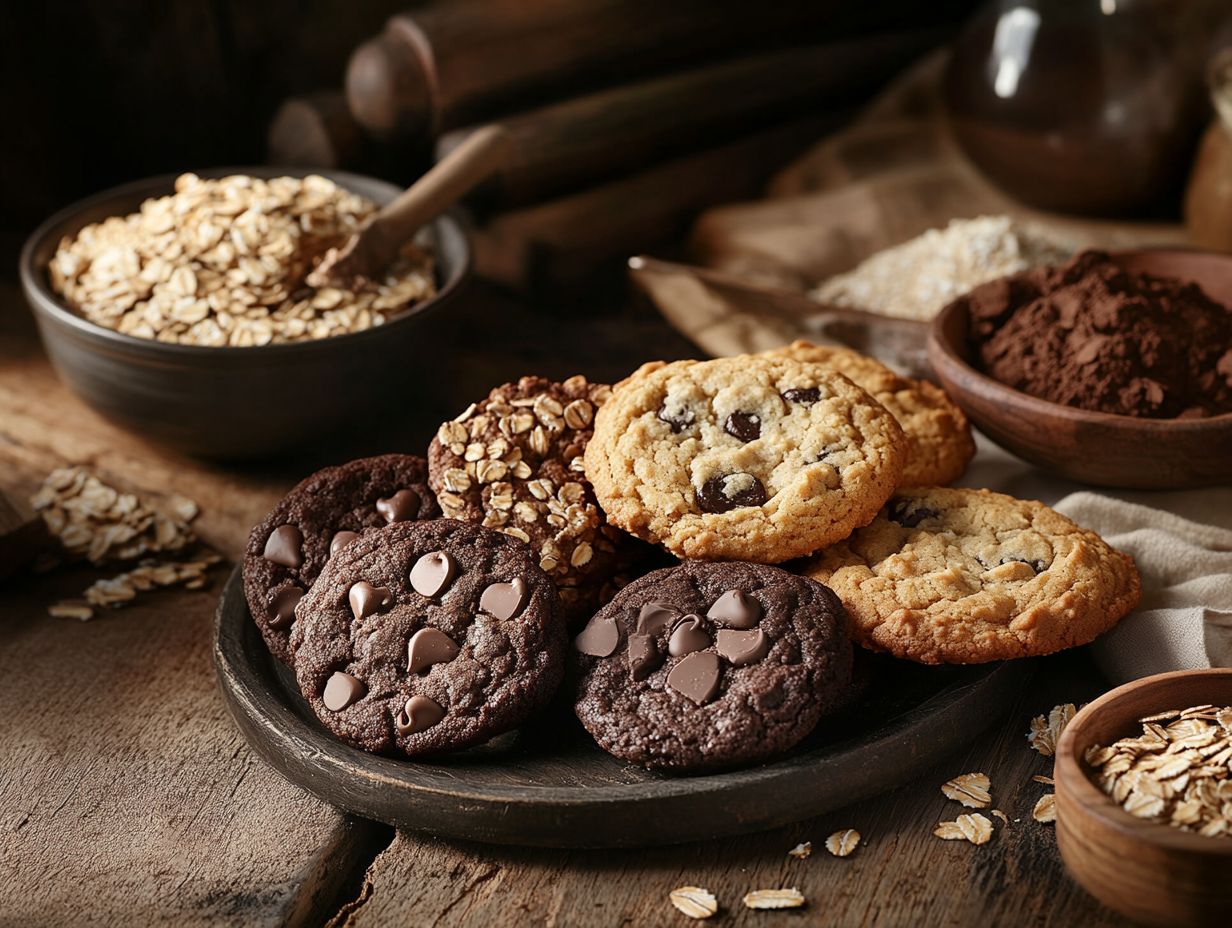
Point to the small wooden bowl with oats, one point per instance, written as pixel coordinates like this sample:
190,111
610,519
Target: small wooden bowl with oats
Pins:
1138,864
251,399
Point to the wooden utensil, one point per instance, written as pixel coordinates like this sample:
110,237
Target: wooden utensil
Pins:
1094,447
372,249
1153,873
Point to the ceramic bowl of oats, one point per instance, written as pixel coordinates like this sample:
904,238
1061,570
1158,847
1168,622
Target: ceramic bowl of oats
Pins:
1144,798
178,308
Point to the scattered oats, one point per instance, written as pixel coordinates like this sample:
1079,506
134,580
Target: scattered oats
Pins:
694,901
801,851
1005,819
1044,733
229,262
971,789
1046,809
1047,781
1176,773
98,523
774,899
71,609
843,843
974,828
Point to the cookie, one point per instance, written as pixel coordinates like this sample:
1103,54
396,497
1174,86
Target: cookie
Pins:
288,550
756,458
956,576
513,463
939,442
425,637
711,665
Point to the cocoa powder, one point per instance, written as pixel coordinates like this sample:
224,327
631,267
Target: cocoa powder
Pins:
1092,335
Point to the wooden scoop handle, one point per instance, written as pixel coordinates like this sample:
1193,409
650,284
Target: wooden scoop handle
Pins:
448,180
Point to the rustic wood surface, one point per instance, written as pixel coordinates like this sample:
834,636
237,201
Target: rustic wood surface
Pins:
128,796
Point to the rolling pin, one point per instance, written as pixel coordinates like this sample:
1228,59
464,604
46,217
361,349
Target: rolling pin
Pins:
452,62
568,146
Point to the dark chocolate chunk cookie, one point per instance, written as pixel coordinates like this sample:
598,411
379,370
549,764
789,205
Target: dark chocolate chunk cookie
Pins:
513,462
422,637
320,515
711,665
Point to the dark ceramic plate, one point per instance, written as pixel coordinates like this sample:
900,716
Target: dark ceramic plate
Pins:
548,785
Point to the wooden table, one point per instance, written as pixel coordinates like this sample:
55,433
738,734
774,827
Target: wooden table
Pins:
128,796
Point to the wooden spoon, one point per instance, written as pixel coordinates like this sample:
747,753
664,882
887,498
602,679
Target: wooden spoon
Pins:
375,246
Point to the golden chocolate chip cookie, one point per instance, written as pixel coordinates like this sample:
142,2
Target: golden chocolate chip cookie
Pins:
748,458
939,442
957,576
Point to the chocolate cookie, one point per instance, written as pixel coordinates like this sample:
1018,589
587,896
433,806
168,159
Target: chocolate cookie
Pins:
422,637
513,462
756,457
960,576
710,665
939,442
288,550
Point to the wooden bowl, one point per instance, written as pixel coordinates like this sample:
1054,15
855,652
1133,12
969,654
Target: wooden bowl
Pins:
1153,873
234,403
1094,447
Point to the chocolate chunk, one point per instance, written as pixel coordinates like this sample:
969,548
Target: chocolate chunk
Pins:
282,611
419,714
341,690
806,395
340,541
366,599
1038,566
743,425
655,617
743,647
730,491
433,572
902,513
401,507
285,546
599,638
679,418
503,600
696,677
688,636
429,646
735,609
644,656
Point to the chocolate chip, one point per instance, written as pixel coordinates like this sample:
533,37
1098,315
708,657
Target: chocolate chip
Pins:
902,513
644,656
283,608
696,677
806,395
1038,566
342,690
419,714
599,638
429,646
730,491
679,417
743,425
735,609
742,648
433,572
688,636
504,600
655,617
366,599
401,507
285,546
340,541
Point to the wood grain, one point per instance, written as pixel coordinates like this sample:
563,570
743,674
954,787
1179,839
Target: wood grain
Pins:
900,875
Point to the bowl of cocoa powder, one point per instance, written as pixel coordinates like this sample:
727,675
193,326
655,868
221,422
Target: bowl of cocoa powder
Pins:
1111,369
